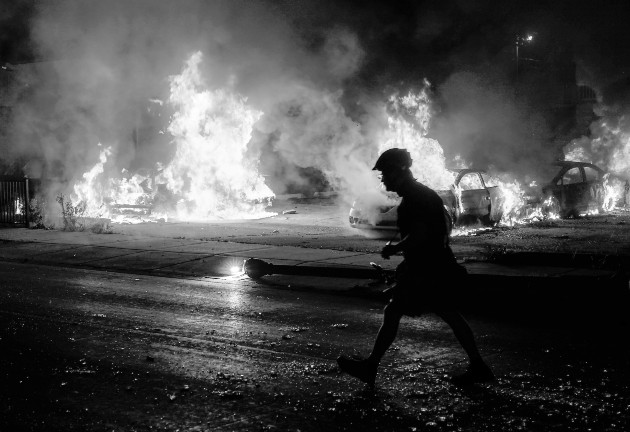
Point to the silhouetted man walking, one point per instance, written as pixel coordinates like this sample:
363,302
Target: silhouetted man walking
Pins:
426,278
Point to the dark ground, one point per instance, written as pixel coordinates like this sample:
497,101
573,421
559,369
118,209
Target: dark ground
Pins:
99,350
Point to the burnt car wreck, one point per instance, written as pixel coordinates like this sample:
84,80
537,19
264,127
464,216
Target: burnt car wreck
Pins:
579,188
472,198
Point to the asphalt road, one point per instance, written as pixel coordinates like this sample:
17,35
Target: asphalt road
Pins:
100,351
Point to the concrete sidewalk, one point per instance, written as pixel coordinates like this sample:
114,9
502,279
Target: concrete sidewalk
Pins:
524,279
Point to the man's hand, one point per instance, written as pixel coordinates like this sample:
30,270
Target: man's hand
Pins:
388,251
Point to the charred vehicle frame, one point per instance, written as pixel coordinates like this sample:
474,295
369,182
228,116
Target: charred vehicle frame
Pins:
577,188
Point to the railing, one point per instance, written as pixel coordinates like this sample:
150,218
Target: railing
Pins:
14,198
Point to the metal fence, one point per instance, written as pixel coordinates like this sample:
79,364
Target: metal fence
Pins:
14,198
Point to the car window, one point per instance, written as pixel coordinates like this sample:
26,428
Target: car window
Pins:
470,181
591,174
572,176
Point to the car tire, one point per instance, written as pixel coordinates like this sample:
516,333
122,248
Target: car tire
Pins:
490,219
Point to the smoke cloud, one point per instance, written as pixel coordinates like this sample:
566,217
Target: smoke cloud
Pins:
111,59
488,129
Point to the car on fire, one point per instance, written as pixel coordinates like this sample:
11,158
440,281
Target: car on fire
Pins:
472,198
577,188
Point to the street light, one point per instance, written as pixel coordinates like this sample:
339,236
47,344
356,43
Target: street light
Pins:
521,41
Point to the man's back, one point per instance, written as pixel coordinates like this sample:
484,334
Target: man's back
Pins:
421,215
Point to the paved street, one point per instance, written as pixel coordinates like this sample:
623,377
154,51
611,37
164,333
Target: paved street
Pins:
89,350
146,329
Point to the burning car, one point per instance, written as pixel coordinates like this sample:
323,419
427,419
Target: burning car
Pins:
472,198
578,188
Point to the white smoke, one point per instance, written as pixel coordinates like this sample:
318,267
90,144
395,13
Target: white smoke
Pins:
608,145
486,126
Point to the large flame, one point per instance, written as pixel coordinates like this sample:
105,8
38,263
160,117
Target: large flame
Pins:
210,172
90,190
513,206
209,177
407,122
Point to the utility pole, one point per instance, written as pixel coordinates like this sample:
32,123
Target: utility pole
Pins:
517,42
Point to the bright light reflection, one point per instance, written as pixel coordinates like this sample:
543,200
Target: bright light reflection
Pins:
235,270
233,267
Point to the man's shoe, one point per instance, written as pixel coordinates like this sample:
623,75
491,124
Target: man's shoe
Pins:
362,369
475,373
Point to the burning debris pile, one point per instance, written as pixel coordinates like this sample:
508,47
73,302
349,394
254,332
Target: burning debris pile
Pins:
208,178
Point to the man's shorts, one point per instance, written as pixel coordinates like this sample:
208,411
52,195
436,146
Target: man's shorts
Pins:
419,291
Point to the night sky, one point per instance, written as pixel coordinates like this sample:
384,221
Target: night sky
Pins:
404,39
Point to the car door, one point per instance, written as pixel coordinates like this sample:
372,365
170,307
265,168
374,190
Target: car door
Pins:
574,191
474,198
595,194
497,197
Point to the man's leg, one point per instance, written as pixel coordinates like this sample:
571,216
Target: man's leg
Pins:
366,369
386,334
463,333
478,371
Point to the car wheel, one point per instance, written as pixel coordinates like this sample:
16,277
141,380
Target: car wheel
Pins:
493,217
486,220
